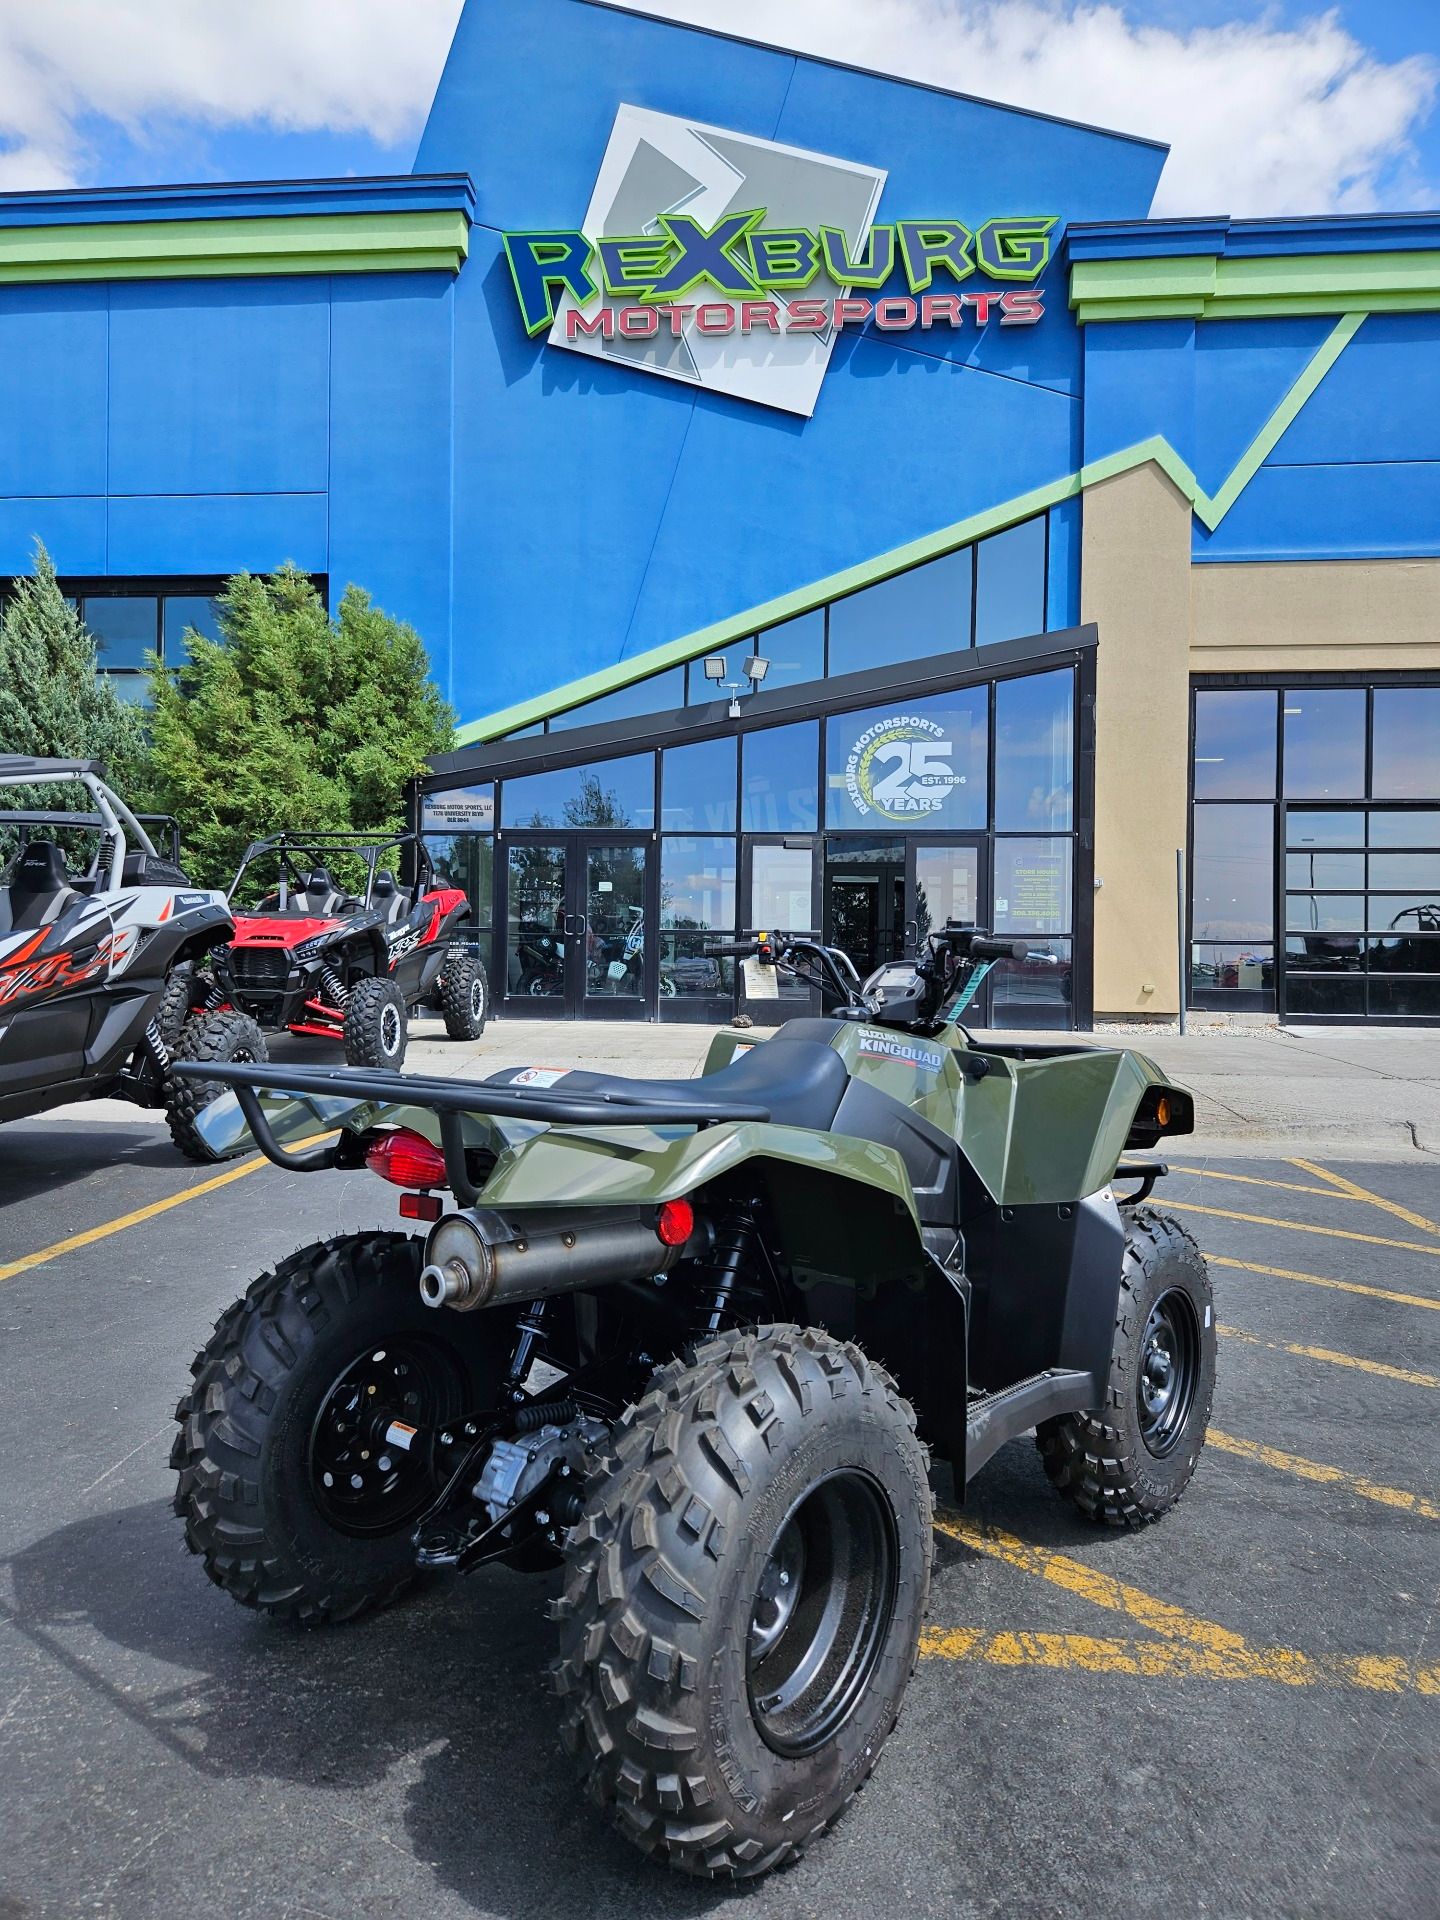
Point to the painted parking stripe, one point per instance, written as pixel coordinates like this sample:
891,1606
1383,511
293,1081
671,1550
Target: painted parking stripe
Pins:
1174,1660
1322,1280
156,1207
1380,1367
1323,1475
1302,1226
1353,1191
1254,1180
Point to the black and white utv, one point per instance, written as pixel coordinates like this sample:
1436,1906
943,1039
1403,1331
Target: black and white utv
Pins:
98,985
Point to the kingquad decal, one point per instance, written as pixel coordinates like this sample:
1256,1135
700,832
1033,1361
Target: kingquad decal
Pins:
900,768
715,287
884,1046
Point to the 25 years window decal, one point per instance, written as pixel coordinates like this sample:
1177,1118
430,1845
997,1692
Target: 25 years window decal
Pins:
718,289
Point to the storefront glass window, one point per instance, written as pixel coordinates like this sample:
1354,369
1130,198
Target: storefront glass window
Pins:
181,612
1237,967
1233,875
659,693
1406,744
1324,743
1235,745
923,611
1036,992
612,793
778,793
921,764
126,627
1304,828
697,786
1415,827
1010,583
1034,729
795,649
466,860
1032,886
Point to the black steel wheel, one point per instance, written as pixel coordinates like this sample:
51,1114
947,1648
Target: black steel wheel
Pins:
743,1599
1127,1461
367,1474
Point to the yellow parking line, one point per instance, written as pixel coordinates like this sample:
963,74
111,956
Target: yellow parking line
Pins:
1320,1280
1386,1372
1352,1191
92,1234
1324,1475
1172,1660
1252,1180
1301,1226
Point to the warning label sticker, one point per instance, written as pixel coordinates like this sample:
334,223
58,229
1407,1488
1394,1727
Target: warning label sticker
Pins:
539,1076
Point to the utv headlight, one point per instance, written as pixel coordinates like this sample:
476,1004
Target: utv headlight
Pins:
308,949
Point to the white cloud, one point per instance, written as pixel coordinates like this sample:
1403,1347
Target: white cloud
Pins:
1260,118
296,65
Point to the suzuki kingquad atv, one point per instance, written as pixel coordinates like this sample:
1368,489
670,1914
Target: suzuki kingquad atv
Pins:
98,980
314,958
690,1341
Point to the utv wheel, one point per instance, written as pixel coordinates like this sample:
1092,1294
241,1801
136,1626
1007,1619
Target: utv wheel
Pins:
175,1004
1129,1461
288,1489
223,1037
743,1599
464,995
376,1023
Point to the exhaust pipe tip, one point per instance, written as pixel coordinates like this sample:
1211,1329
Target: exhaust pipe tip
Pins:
445,1286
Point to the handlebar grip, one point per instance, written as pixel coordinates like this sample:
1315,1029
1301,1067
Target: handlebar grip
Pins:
734,950
983,947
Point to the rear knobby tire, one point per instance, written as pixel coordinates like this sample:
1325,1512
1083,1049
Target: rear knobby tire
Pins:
249,1491
1129,1461
376,1023
226,1038
464,995
658,1618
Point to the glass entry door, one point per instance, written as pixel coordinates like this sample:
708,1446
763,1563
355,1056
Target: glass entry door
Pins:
778,896
577,909
948,880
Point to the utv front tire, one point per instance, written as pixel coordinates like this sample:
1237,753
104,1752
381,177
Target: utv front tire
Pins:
376,1023
223,1037
288,1364
766,1503
1129,1461
464,995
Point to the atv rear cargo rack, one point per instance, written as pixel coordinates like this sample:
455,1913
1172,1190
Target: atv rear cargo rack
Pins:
450,1101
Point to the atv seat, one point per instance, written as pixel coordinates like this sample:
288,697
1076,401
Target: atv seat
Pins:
39,889
386,897
800,1081
320,894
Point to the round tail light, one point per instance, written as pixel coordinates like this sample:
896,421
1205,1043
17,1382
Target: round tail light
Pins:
674,1223
407,1159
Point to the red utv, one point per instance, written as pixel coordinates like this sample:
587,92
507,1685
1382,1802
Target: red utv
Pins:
345,954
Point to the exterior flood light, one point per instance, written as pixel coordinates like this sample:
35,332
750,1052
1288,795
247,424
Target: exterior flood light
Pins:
756,669
714,666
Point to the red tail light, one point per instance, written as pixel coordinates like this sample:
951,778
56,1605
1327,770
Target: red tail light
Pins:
407,1159
674,1223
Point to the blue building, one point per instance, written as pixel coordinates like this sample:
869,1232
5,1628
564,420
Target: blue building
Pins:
829,502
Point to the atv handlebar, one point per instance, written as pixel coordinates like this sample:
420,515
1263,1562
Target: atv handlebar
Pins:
984,947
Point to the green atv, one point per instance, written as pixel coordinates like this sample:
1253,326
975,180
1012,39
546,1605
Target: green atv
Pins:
690,1341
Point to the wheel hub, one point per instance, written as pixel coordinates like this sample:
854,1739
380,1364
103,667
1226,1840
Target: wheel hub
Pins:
389,1029
363,1482
1168,1372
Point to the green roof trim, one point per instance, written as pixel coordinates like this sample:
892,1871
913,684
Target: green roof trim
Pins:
414,239
1209,508
1212,287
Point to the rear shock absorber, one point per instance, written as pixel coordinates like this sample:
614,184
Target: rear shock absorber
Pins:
721,1270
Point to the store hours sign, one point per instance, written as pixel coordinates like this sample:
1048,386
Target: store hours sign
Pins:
736,263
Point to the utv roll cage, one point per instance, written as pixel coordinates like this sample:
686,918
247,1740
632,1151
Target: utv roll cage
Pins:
111,817
290,848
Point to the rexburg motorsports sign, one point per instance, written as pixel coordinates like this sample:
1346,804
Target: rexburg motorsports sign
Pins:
735,263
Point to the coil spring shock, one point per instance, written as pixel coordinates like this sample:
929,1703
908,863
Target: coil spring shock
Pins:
155,1040
334,986
735,1242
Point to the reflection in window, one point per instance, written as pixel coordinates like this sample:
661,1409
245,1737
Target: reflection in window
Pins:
1233,873
919,764
1324,742
126,627
466,860
1421,870
1406,745
697,903
778,792
924,611
1414,827
1010,583
658,693
1325,870
697,786
1237,967
1326,995
612,793
1235,745
947,887
1323,912
795,649
1036,992
1304,828
1034,730
1032,886
1325,953
186,612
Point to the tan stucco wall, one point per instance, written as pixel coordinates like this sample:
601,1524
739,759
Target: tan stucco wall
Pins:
1135,583
1368,616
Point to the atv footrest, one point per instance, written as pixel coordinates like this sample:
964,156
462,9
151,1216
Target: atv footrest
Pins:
994,1418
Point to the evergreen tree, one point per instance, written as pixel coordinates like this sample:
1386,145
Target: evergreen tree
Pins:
291,719
54,705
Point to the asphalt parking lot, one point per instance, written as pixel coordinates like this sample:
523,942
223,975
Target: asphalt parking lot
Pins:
1233,1713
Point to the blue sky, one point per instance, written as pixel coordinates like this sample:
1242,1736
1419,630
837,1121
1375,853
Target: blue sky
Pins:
1273,107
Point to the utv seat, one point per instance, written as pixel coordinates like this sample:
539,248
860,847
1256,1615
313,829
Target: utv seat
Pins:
320,893
801,1082
387,898
39,889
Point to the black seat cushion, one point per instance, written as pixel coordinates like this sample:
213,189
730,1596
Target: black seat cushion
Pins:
320,892
800,1081
39,888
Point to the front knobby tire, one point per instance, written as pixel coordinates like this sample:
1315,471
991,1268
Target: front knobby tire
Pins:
279,1395
768,1494
223,1037
376,1023
1129,1461
464,995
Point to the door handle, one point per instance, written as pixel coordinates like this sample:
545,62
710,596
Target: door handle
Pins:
575,925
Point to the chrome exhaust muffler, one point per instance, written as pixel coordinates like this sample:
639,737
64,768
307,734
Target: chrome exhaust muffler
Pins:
477,1259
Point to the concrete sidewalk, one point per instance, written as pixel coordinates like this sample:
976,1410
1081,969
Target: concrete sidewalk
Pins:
1369,1091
